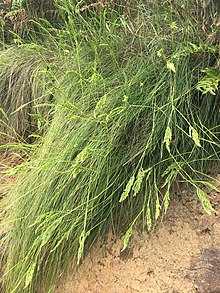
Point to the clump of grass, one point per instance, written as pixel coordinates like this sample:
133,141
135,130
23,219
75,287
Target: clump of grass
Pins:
25,91
134,114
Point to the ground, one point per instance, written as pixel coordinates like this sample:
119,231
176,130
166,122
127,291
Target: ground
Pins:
182,255
7,160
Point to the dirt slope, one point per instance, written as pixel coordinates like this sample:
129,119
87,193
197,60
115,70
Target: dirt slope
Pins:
183,256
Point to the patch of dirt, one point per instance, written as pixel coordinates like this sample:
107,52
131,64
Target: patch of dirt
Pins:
181,256
8,160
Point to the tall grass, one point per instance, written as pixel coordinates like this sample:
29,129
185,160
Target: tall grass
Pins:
134,113
25,91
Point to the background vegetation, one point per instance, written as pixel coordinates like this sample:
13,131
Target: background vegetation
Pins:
129,103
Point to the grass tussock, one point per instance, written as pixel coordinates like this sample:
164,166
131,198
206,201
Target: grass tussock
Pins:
25,91
137,109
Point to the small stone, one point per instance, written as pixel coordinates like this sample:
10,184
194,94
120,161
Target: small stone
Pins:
207,267
116,261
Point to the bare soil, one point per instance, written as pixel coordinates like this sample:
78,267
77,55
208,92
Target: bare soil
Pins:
181,256
7,161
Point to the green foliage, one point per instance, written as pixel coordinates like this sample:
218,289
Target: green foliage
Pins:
205,202
127,237
128,122
209,83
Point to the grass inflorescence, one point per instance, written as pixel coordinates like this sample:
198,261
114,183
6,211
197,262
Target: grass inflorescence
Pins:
136,108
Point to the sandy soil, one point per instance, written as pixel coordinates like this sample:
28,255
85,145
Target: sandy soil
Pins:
3,190
8,160
181,256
